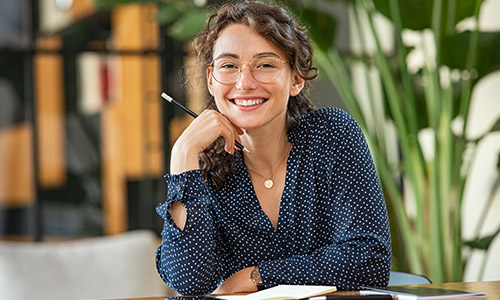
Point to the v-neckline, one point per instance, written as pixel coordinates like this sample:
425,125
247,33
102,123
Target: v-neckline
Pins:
283,199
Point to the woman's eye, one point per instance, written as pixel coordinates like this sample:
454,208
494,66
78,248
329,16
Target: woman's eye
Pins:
265,65
228,66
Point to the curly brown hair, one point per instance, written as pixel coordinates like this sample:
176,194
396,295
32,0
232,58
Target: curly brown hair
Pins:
276,25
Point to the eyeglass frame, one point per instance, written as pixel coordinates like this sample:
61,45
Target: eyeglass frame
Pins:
240,69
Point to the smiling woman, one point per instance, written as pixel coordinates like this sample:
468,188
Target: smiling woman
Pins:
271,97
303,207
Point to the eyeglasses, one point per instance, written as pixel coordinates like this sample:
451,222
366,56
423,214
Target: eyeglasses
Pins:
265,69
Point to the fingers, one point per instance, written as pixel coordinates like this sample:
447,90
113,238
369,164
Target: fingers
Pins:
198,136
223,127
211,124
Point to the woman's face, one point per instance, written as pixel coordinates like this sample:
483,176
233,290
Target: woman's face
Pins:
249,103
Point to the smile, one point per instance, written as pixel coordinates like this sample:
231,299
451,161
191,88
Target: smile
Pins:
249,102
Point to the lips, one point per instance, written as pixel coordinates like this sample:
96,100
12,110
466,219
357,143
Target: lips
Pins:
248,102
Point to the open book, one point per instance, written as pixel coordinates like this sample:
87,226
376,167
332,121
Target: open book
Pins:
420,292
285,292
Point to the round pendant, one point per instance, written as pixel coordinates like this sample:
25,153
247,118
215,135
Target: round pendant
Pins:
268,183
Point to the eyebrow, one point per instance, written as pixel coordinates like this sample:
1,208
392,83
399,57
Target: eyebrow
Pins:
261,54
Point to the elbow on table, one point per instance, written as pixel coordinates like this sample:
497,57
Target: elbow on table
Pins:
381,279
190,291
362,279
378,275
373,272
188,286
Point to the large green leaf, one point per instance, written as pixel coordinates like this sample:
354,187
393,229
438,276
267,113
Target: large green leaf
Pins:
417,14
454,52
169,13
321,26
188,25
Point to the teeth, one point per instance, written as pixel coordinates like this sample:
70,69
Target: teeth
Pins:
248,102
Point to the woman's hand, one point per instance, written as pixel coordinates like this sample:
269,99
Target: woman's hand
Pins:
239,282
200,134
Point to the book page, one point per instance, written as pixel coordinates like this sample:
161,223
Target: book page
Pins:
285,292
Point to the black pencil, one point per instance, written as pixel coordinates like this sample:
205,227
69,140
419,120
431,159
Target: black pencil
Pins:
194,115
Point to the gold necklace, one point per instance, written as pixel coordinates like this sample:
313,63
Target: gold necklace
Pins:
269,183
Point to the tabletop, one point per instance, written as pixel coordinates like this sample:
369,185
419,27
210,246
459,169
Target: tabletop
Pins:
492,288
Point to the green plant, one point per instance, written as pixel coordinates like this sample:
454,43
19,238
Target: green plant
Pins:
430,98
404,104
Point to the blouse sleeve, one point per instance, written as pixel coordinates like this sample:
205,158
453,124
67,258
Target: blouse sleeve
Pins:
186,260
360,254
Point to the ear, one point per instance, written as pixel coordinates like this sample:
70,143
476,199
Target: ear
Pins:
209,82
297,84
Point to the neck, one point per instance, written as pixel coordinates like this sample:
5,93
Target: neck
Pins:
267,150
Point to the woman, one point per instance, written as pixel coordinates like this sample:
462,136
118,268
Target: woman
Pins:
303,206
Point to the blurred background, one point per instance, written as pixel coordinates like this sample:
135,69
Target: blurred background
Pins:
85,136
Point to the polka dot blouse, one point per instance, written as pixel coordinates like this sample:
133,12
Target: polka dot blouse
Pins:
332,227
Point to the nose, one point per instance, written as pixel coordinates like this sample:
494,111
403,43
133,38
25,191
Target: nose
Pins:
246,80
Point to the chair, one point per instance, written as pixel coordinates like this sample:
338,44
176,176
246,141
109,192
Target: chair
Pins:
116,266
402,278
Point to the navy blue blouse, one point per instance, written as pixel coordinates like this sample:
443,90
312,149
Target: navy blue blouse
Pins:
332,226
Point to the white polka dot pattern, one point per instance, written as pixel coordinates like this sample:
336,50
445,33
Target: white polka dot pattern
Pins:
332,227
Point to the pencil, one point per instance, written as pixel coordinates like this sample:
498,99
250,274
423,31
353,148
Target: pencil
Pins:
194,115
